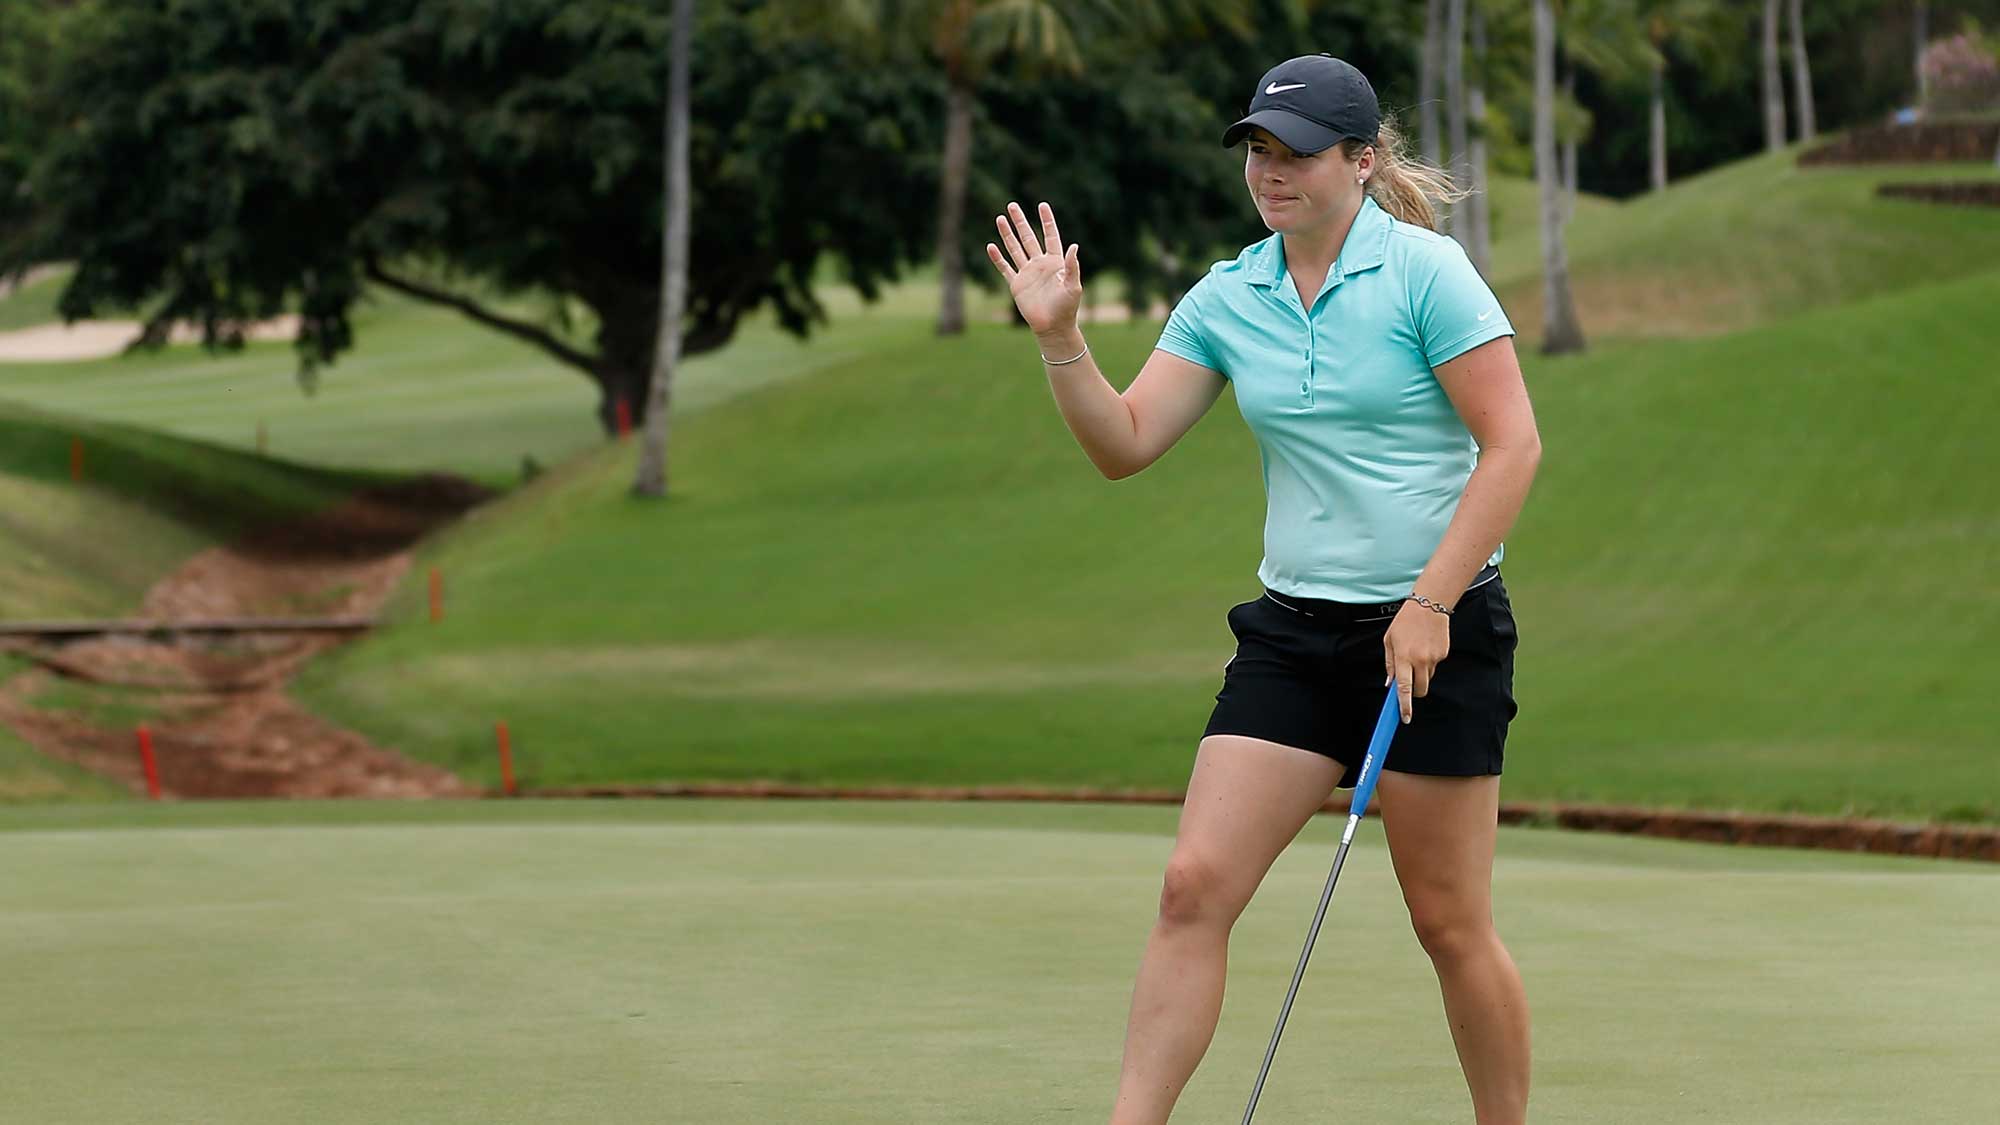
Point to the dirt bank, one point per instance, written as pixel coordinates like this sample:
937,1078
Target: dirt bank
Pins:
222,723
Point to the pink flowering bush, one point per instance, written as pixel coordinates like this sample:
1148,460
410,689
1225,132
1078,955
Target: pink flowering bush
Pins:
1962,74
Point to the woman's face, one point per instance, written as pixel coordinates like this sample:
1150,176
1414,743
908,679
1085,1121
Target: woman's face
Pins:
1296,193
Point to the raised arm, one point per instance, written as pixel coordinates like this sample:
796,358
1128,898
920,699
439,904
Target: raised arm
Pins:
1121,434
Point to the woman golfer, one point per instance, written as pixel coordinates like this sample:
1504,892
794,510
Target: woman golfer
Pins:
1374,367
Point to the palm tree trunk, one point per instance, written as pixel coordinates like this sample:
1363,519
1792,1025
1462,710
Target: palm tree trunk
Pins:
1774,83
652,476
1920,37
1479,208
1569,144
1659,119
1560,330
1454,108
951,204
1430,64
1802,95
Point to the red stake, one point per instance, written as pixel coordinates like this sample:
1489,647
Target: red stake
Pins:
506,758
624,418
152,765
76,458
437,595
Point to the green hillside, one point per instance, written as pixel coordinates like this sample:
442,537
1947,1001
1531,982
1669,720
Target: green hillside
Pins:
1756,572
1742,244
28,776
424,389
32,304
146,503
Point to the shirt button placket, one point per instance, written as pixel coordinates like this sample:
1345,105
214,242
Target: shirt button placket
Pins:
1306,388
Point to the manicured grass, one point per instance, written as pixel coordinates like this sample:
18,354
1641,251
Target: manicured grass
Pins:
425,389
28,776
738,962
147,501
1745,243
904,571
32,304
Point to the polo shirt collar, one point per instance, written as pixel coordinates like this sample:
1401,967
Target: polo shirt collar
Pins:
1367,246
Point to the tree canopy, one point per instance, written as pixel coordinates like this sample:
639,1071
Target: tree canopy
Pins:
219,162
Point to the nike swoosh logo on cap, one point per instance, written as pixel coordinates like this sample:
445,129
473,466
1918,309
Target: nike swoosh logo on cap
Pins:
1274,88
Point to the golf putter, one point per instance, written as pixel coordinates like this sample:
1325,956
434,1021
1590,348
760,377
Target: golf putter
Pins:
1371,770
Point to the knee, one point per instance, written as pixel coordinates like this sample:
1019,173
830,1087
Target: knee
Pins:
1449,931
1195,892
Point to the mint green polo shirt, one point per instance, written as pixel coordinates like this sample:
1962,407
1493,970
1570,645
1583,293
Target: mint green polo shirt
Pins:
1364,457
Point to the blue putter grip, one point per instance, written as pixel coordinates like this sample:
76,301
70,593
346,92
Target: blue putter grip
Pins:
1378,749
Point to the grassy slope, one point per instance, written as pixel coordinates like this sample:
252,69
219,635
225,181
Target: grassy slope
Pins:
505,962
32,304
148,501
903,570
424,388
1739,245
29,776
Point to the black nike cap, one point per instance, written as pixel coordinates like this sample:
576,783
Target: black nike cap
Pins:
1311,103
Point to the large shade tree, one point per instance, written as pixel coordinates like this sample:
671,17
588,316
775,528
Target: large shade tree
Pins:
222,162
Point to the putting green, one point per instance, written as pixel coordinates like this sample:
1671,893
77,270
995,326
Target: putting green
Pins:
726,962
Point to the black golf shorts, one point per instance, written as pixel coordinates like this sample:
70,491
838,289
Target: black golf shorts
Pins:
1310,674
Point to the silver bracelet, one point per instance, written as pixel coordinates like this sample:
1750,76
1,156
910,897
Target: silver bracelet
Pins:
1428,604
1061,362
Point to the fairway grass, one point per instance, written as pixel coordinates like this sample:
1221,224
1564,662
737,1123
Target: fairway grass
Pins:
424,389
732,963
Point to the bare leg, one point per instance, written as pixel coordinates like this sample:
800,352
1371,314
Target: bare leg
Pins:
1246,800
1441,834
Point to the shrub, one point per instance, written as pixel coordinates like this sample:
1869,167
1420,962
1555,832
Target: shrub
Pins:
1962,74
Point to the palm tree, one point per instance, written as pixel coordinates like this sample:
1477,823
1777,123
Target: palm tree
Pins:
1571,137
1774,83
1430,64
1607,38
1560,330
652,476
1479,209
966,39
1920,37
1802,95
1454,107
1700,26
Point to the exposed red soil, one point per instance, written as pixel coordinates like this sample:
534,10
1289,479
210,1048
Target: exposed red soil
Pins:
1942,841
223,725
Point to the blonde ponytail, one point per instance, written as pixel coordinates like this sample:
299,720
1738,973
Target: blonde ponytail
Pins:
1403,185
